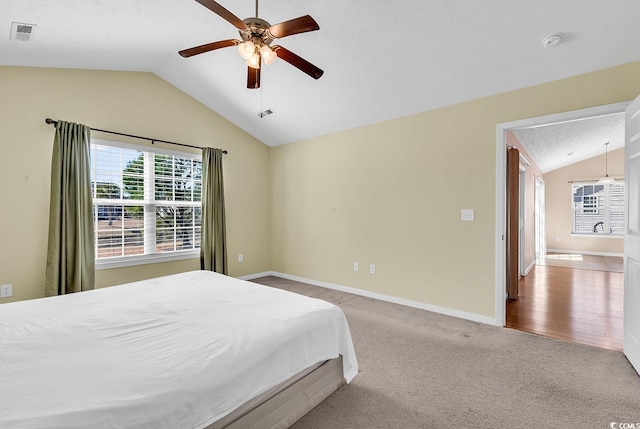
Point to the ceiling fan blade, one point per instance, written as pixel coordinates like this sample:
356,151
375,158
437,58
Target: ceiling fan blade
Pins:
253,78
293,26
186,53
224,13
298,62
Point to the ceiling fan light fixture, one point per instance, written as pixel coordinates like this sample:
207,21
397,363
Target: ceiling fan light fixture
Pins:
268,55
246,49
256,35
254,61
606,179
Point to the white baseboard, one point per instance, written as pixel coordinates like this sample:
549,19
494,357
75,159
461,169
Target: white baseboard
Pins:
388,298
584,252
256,275
531,265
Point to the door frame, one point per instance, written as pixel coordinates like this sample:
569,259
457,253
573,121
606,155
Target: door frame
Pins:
631,328
501,185
522,231
540,245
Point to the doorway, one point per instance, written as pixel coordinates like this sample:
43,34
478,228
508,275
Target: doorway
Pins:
539,192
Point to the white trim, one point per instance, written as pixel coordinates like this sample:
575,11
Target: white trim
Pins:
501,228
602,235
531,265
522,224
388,298
256,275
584,252
128,261
573,115
501,173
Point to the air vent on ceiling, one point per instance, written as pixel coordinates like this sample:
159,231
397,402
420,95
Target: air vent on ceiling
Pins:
266,113
22,32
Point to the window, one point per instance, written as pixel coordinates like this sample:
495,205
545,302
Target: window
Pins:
598,209
146,203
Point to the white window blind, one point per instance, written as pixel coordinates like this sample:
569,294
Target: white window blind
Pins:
598,209
146,203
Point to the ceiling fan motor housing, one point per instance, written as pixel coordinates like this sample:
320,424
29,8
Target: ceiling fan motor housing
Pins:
258,29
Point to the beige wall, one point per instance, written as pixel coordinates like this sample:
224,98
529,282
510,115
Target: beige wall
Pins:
531,173
390,194
559,210
137,103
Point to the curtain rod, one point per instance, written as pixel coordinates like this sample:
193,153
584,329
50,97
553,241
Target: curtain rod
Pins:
153,141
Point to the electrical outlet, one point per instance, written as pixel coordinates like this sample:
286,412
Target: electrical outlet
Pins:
241,258
372,269
355,266
6,290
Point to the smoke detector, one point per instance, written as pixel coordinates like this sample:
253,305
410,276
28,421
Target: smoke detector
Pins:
552,40
22,32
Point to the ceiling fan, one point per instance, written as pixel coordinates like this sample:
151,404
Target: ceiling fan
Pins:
255,46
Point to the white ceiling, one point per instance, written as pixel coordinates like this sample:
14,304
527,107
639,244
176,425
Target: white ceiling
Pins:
558,145
382,59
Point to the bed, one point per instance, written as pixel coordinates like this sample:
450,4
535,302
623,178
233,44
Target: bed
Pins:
190,350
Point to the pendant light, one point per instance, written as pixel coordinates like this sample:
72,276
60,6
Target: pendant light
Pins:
606,179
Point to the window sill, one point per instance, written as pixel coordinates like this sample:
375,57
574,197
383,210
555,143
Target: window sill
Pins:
597,235
128,261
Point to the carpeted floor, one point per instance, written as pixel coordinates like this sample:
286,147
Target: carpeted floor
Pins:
424,370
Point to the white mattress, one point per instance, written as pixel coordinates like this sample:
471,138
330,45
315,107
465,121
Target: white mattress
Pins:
179,351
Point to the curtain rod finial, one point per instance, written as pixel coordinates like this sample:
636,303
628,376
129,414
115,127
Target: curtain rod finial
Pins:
49,121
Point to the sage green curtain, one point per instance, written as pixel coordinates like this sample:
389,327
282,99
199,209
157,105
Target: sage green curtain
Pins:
213,246
70,251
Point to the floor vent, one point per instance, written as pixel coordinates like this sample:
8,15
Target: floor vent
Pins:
22,32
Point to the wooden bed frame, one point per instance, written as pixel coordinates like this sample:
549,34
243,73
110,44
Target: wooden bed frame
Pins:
286,403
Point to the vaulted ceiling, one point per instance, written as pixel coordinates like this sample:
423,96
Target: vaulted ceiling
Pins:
382,59
557,145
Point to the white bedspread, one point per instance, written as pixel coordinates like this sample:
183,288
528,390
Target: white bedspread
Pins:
179,351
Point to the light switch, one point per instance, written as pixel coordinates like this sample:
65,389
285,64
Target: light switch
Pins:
468,215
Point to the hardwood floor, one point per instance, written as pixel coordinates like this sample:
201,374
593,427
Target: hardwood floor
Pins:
577,305
585,262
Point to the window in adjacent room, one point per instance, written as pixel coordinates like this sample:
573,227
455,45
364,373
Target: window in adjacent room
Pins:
146,203
598,209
